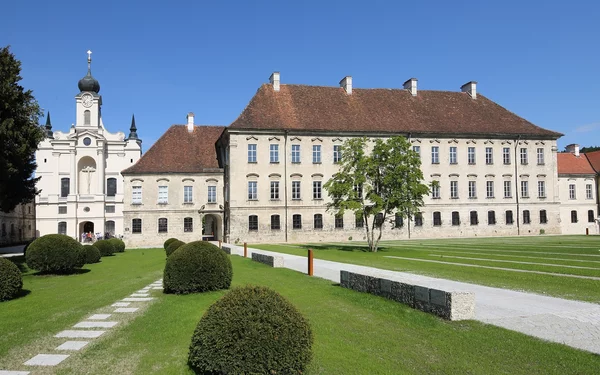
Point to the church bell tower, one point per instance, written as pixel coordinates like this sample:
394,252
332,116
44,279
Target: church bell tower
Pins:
88,100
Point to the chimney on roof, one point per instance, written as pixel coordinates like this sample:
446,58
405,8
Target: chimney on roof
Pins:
274,79
346,83
470,88
411,86
573,148
190,122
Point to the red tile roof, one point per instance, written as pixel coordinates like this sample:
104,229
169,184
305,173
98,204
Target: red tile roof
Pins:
594,159
568,163
301,107
178,151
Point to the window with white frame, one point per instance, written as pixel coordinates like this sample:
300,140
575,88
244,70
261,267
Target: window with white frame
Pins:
62,209
274,153
274,190
295,154
542,189
506,155
275,222
507,189
524,155
188,224
526,217
253,222
472,190
454,189
543,217
540,156
296,190
524,189
435,154
163,194
163,225
572,192
317,190
252,190
136,195
453,156
435,190
337,154
589,191
136,226
212,194
316,154
252,153
489,189
491,217
471,155
417,149
62,227
489,155
358,190
188,194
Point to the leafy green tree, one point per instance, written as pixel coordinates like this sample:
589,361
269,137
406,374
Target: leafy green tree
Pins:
589,149
375,184
19,135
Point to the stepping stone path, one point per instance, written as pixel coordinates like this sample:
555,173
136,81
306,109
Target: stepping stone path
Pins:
86,329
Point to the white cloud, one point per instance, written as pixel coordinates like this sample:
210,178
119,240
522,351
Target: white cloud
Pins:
587,128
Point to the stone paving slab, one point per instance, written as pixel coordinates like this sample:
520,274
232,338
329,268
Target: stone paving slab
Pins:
121,304
158,288
573,323
126,309
6,372
95,324
46,360
72,345
139,295
78,334
99,317
138,299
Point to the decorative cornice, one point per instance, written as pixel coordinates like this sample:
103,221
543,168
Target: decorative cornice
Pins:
251,137
274,138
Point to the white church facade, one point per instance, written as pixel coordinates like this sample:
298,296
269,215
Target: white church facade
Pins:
81,187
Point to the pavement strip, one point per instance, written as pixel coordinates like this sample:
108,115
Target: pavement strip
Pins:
86,330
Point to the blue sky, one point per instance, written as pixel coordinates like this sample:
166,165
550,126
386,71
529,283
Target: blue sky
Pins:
539,59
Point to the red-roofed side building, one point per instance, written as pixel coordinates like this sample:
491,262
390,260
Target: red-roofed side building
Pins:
577,188
175,189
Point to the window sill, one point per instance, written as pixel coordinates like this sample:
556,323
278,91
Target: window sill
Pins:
453,163
251,162
508,197
541,164
316,162
253,200
472,197
472,163
490,197
136,204
213,202
297,199
188,203
435,162
296,162
317,199
522,197
275,200
542,197
274,162
453,197
436,198
163,203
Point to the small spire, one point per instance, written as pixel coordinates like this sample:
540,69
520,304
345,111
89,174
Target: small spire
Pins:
133,130
49,127
89,53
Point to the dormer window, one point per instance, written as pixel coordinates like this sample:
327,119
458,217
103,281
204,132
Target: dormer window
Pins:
87,117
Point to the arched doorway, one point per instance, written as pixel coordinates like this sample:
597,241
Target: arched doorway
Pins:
211,227
85,228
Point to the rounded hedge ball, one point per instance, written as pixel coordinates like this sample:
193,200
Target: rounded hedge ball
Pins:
11,280
92,254
197,267
251,330
174,246
118,245
168,242
56,253
106,247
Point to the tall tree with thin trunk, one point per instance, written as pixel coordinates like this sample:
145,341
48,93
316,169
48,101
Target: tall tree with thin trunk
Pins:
376,178
19,135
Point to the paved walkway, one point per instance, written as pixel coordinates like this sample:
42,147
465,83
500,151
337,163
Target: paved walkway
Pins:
573,323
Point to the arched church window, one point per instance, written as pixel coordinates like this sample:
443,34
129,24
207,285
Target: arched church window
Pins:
109,227
62,227
87,117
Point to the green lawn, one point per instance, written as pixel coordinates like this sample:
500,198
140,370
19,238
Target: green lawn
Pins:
558,255
355,333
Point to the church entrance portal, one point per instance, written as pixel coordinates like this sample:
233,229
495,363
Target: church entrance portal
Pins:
211,227
85,228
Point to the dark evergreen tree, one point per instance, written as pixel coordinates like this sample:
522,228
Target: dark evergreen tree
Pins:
19,135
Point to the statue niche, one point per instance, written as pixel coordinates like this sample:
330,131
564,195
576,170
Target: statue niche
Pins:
87,175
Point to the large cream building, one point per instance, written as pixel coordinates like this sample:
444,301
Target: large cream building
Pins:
81,184
18,225
497,173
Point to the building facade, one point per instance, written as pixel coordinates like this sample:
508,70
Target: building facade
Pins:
80,181
18,225
175,189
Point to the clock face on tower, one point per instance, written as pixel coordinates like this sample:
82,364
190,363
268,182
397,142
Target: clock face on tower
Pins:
87,100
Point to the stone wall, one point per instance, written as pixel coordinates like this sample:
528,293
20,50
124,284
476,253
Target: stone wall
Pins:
273,261
450,305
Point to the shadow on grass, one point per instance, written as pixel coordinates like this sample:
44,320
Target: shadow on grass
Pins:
22,293
19,261
349,248
65,273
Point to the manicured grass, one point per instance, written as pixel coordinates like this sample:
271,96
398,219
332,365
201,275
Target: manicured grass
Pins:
55,303
355,333
549,253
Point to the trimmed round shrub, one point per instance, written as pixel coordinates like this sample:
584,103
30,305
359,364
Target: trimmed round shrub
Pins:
251,330
54,253
197,267
92,254
168,242
106,247
11,280
174,246
80,257
118,244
